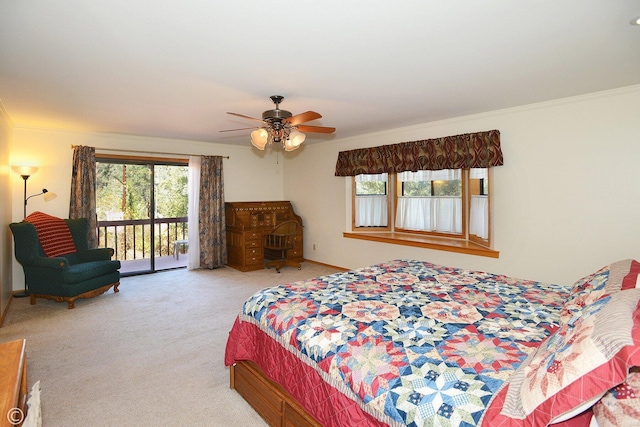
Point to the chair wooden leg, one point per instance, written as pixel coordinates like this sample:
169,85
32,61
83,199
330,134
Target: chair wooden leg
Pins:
32,299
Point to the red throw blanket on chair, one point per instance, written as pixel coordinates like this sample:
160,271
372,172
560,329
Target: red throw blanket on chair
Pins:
53,233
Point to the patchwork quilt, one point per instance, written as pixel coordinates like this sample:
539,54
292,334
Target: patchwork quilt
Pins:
408,343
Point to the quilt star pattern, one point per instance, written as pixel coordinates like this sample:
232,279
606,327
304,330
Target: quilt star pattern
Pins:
418,344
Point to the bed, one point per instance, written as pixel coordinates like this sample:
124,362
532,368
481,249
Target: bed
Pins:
410,343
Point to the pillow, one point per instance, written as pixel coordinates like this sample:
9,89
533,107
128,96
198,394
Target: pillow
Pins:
624,275
618,276
579,362
620,406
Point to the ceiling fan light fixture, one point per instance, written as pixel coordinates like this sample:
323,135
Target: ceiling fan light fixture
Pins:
296,137
280,127
288,145
259,138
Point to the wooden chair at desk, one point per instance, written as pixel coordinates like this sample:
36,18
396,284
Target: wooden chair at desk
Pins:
277,243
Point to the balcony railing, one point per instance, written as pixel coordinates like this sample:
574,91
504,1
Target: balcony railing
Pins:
131,238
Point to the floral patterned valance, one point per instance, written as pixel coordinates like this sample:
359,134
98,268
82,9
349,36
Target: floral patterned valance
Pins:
470,150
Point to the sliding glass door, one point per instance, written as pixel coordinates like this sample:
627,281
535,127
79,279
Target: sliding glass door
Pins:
142,212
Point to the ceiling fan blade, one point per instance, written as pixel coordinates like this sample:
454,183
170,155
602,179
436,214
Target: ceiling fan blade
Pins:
245,117
303,117
231,130
317,129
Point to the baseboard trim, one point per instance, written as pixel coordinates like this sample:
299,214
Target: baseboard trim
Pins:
326,265
6,308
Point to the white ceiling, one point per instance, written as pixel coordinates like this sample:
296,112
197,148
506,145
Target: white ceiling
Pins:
173,69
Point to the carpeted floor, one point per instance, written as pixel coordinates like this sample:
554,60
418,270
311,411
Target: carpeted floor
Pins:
150,355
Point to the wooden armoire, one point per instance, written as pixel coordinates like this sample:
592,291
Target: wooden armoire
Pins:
248,223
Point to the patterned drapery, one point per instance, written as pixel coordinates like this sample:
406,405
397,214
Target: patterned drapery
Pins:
213,239
470,150
83,190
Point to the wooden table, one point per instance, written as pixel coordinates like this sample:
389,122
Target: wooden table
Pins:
13,383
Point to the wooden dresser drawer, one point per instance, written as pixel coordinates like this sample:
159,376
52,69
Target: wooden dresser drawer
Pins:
269,399
295,252
293,417
253,235
259,396
253,243
253,256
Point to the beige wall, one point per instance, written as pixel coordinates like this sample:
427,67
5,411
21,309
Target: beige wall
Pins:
249,174
565,202
6,242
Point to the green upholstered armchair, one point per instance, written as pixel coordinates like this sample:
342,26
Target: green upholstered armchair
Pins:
82,274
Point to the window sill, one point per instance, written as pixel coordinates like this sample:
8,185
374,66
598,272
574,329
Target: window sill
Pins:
429,242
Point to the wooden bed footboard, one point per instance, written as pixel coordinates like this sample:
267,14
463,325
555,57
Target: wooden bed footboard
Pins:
268,399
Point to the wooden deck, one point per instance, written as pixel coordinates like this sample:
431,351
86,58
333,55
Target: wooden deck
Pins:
144,265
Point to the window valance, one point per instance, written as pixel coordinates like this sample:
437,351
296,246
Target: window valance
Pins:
470,150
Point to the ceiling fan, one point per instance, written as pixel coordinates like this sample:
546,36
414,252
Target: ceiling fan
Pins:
280,126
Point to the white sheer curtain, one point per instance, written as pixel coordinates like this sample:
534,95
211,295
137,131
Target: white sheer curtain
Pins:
479,216
371,177
479,210
371,210
478,173
439,175
193,261
443,214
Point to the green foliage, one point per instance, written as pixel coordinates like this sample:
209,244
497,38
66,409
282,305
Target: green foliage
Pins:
416,188
126,189
172,198
108,189
448,188
371,188
432,188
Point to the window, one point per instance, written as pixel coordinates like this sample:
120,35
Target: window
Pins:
443,204
141,206
371,198
479,219
430,201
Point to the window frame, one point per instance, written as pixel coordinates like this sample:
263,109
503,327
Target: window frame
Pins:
475,238
463,191
463,243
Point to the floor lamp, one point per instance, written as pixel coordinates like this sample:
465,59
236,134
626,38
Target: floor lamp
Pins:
25,172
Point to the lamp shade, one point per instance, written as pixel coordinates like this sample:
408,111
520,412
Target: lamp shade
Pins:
259,138
49,196
24,170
